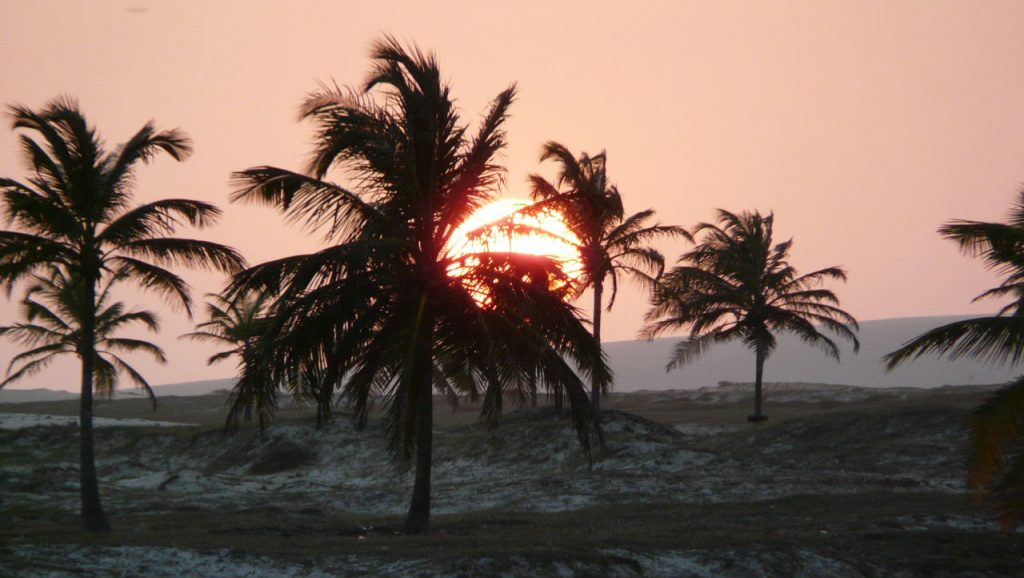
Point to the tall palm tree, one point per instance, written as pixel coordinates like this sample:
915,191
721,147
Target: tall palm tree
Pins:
611,244
378,312
735,284
996,459
74,218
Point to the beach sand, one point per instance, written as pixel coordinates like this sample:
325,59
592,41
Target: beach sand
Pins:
841,481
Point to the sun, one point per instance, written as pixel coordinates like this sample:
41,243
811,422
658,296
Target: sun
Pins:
544,234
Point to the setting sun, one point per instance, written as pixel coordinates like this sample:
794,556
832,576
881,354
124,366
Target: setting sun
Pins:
489,231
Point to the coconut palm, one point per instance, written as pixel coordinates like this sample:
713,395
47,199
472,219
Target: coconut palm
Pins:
611,244
996,460
379,310
75,218
53,311
735,284
237,324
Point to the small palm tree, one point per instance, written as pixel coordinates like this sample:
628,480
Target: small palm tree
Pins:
735,284
611,244
378,312
238,324
53,312
996,460
75,221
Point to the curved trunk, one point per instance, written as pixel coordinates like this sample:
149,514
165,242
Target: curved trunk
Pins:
418,519
93,517
760,354
595,391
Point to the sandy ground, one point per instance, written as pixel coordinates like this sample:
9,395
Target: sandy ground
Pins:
841,481
24,420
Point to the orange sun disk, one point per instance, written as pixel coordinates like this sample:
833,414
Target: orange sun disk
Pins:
552,237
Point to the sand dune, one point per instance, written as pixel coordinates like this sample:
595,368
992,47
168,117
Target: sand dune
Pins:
841,482
641,364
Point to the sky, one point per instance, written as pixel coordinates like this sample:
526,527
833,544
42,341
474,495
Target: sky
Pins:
864,125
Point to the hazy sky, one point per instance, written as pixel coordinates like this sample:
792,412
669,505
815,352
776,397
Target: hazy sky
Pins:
863,125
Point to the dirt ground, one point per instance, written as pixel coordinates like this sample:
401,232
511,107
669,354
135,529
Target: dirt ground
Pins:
840,481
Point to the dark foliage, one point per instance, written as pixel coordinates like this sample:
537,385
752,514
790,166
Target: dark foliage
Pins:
376,312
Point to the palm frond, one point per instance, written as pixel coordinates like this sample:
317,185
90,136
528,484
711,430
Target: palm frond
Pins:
144,145
31,334
995,427
122,366
318,204
192,253
478,176
158,218
32,367
689,350
128,345
993,339
154,278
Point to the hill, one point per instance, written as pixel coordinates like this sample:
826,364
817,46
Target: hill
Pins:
11,395
641,364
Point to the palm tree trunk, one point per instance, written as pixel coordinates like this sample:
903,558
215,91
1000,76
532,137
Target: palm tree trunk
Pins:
93,517
759,355
595,391
418,519
533,391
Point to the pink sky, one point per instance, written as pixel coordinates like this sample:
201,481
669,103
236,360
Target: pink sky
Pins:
863,125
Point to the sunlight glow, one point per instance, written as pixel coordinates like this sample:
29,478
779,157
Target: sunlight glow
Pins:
489,231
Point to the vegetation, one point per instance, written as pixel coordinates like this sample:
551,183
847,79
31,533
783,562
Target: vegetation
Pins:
53,310
611,244
377,312
735,284
996,460
238,324
78,236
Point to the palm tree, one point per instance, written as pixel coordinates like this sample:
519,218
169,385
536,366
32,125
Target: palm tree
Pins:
75,219
378,312
53,310
735,285
996,459
238,324
611,244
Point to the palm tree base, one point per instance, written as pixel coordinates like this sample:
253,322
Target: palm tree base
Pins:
757,418
416,525
100,524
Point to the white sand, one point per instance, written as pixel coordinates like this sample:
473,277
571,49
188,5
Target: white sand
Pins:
24,420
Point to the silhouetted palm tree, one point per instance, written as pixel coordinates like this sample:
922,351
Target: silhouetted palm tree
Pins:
996,460
53,310
378,311
611,244
735,285
75,219
238,324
